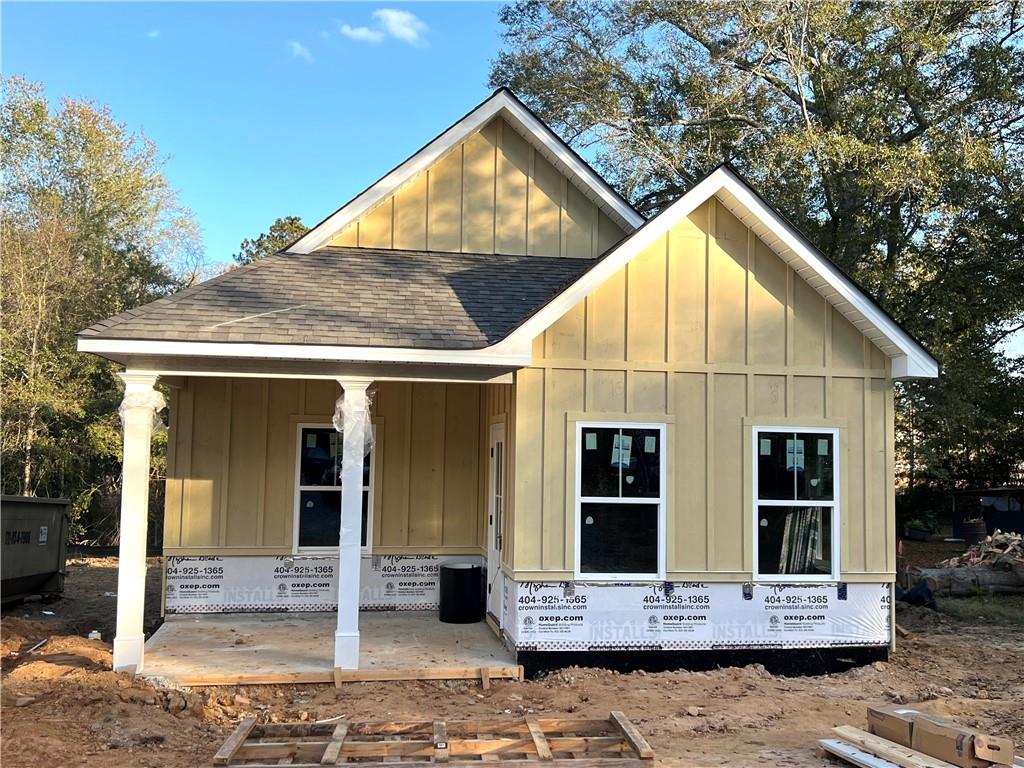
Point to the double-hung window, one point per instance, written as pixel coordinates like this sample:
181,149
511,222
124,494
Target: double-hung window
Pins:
620,501
318,490
796,504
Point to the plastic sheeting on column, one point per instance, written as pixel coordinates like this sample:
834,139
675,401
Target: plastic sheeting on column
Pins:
347,415
152,400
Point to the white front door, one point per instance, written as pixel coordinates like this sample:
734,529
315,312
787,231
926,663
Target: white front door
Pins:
495,517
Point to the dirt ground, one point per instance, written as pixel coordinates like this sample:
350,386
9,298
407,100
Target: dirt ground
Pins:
61,705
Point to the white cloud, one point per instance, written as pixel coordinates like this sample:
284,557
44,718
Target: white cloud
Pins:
362,34
299,51
153,34
390,22
402,25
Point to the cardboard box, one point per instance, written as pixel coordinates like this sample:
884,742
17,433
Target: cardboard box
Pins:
960,746
892,722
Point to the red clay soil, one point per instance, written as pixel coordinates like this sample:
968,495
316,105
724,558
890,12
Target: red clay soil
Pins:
63,706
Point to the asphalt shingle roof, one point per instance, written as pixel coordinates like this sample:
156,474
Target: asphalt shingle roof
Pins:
356,297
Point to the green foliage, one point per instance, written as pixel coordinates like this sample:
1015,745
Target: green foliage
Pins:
890,133
90,228
282,233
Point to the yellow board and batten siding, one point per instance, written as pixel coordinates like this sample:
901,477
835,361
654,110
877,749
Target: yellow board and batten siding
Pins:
232,459
712,333
493,193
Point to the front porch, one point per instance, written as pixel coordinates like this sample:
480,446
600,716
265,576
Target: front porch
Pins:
282,648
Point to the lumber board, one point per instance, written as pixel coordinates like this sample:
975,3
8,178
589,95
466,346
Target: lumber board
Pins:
235,741
889,750
632,736
853,755
440,742
331,754
270,678
593,762
540,742
338,676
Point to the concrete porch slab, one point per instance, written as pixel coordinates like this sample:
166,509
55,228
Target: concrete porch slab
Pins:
298,647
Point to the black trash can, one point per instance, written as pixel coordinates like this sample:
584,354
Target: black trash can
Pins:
461,593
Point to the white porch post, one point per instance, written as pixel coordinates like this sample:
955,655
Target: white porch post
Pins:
140,404
346,637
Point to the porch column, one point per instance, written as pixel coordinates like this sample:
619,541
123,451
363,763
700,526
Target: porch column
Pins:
354,421
138,408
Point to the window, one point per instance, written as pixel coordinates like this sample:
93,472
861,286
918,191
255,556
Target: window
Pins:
796,508
620,509
318,489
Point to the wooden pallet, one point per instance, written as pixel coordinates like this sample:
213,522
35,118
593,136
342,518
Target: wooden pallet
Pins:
529,742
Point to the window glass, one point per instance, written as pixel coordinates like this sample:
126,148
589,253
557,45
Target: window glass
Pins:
641,468
320,518
599,470
620,463
320,457
619,538
814,481
776,457
794,540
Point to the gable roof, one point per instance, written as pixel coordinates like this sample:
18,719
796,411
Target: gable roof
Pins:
909,358
354,297
501,103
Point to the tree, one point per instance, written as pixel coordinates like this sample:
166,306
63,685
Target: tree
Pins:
90,228
890,133
283,232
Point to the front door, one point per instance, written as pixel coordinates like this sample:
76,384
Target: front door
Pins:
495,517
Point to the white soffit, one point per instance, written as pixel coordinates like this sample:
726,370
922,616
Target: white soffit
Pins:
502,103
909,358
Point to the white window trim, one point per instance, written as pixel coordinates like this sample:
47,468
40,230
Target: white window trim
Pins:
834,505
661,500
296,549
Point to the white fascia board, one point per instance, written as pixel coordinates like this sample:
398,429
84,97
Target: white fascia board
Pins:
512,356
500,102
913,362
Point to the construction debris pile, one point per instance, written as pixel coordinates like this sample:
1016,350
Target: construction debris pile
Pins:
994,566
992,549
902,736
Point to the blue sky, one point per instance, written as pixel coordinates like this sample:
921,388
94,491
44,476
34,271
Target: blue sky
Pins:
263,109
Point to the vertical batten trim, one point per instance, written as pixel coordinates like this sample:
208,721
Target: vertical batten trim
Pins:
531,167
709,475
746,297
261,488
790,317
563,213
225,465
408,461
185,521
462,197
868,521
710,244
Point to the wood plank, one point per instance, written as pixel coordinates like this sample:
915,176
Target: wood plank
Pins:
234,741
853,755
587,762
427,673
540,742
270,678
352,675
632,736
485,678
888,750
333,751
440,742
